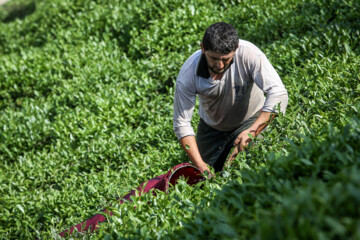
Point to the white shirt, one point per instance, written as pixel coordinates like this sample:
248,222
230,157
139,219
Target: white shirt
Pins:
226,103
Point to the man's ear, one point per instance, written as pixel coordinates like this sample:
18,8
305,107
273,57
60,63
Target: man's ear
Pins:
202,48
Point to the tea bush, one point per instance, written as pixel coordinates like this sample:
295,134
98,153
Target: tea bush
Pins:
86,91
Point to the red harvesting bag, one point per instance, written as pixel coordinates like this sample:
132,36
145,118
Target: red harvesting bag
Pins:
162,183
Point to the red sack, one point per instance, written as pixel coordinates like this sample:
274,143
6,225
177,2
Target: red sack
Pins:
162,183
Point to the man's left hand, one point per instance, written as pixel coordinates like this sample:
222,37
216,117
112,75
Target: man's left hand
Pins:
243,139
246,136
241,142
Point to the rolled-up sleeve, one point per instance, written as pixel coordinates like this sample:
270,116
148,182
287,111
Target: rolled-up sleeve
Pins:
184,104
267,79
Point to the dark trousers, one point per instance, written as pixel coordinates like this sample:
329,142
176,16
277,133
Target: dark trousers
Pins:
215,145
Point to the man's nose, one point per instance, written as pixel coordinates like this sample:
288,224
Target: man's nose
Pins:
220,64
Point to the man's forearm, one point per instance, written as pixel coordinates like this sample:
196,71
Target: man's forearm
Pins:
189,145
261,122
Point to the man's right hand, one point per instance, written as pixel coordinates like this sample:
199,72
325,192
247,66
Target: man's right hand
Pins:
204,168
189,145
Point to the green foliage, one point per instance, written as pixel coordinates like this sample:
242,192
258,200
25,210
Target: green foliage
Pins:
86,91
311,193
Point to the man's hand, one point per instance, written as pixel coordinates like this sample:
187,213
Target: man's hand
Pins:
189,145
241,142
246,136
243,139
204,168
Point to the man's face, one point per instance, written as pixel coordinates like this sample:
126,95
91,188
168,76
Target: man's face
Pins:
218,62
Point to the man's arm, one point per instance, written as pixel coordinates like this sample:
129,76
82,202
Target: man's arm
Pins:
268,80
243,139
189,145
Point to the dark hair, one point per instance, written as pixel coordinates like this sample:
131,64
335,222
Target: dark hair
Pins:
221,38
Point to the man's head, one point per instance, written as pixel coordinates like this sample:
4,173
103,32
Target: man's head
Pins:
218,45
221,38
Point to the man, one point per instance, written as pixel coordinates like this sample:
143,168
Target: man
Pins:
230,77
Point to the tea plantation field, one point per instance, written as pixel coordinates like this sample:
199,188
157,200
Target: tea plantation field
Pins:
86,93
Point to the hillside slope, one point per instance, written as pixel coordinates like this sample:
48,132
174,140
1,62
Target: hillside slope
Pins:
86,92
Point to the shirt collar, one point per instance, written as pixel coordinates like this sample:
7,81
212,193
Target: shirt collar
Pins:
202,67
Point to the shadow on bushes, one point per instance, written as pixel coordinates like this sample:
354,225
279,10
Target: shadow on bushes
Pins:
19,11
271,23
